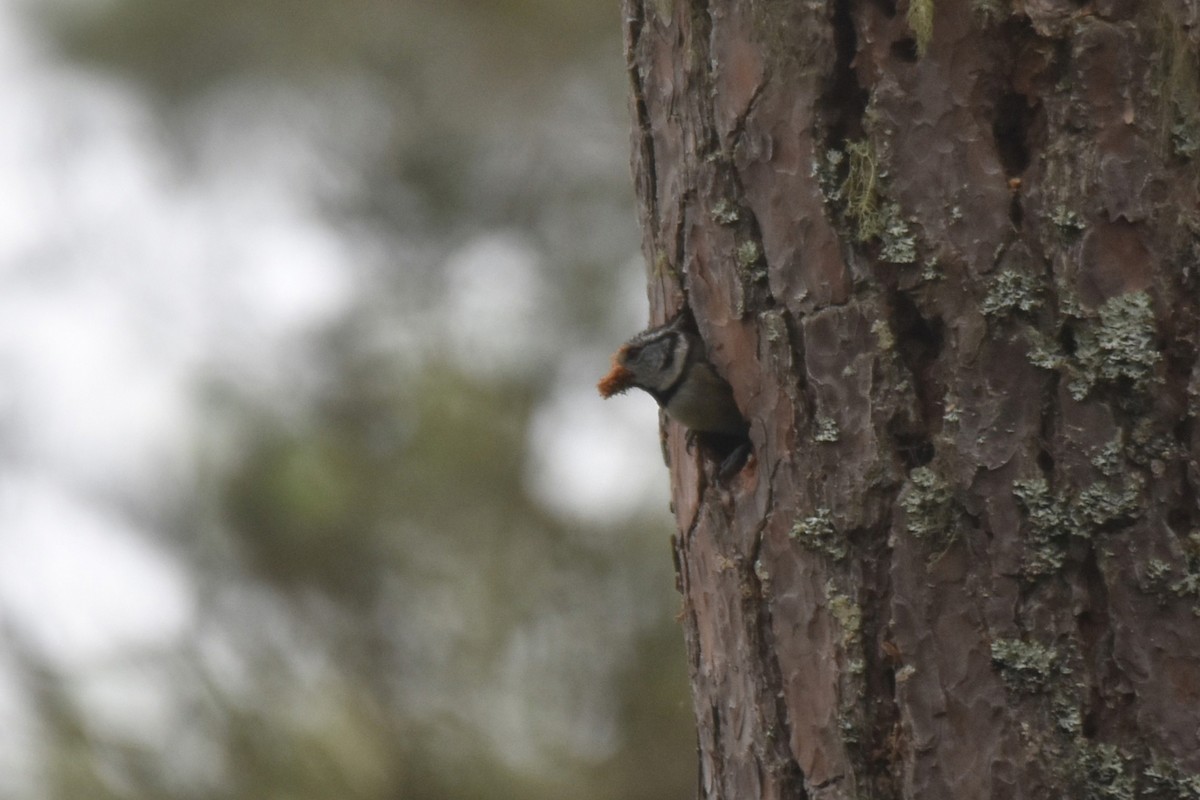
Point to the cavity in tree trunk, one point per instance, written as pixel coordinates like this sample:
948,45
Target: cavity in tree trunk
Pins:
946,255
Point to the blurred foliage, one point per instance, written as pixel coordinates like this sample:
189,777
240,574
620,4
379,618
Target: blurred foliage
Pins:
183,47
452,76
385,610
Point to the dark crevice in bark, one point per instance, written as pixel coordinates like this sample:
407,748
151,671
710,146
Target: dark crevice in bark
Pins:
1066,339
677,257
691,637
804,400
1060,64
1016,212
756,289
1017,114
1177,327
1045,461
646,154
679,555
799,351
718,764
914,450
739,125
906,50
844,101
772,699
701,32
1010,127
882,709
1184,517
888,7
675,560
635,22
783,765
1178,520
919,343
1014,115
1180,361
1094,629
1047,425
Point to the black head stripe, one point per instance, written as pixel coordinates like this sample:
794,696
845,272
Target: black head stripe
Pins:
676,357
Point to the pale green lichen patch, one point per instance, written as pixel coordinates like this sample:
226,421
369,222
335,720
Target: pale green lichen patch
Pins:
725,213
764,578
1050,526
1148,444
920,22
929,509
1028,667
1178,79
1053,519
883,334
1117,349
988,12
1101,771
1114,347
1166,780
774,325
852,181
1067,716
1158,572
826,430
1110,459
1161,579
931,271
1066,220
665,9
1044,353
860,190
1185,137
1042,675
751,267
819,534
1106,773
748,254
848,614
1105,503
1012,291
898,245
664,268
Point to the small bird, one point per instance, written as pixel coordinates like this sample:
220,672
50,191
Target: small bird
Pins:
668,362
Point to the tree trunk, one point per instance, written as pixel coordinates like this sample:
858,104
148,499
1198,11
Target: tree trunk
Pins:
946,254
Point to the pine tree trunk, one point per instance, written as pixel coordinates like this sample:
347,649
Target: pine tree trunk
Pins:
946,254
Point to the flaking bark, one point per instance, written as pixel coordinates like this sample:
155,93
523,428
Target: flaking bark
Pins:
951,275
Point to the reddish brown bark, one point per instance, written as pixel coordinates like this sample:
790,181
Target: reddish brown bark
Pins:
953,282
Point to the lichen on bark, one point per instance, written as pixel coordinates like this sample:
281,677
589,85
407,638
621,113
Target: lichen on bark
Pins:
952,275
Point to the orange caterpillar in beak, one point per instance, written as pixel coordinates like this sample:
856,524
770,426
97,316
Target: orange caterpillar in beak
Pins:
669,364
618,379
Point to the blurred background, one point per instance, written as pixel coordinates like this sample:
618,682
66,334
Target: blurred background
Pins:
305,489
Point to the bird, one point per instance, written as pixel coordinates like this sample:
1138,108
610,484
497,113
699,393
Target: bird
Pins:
668,362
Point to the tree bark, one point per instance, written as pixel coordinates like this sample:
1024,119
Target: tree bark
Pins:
946,255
